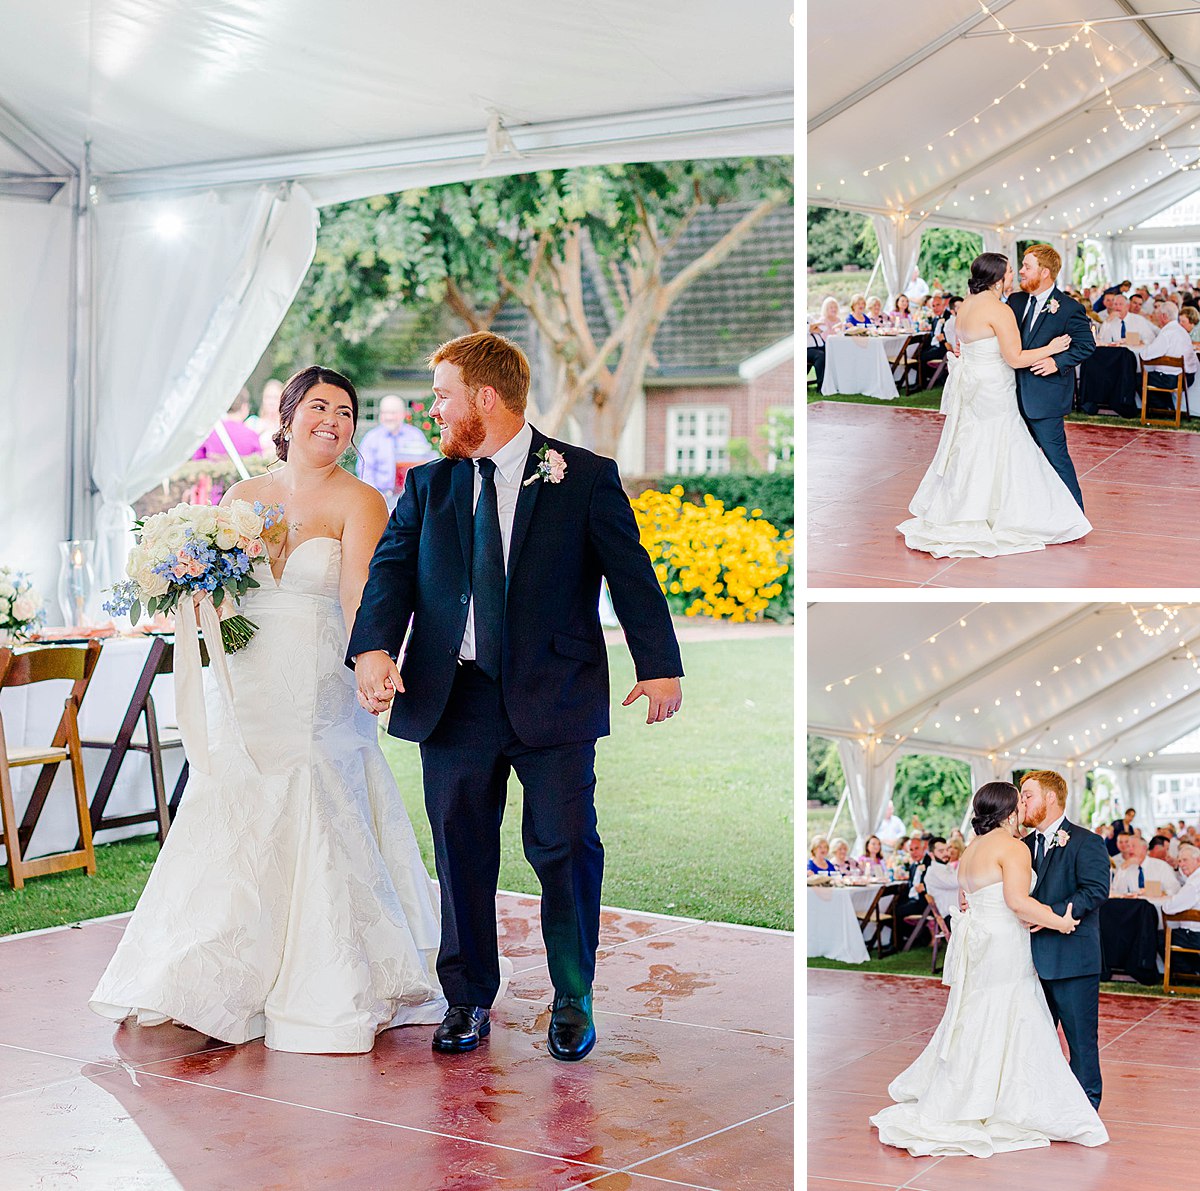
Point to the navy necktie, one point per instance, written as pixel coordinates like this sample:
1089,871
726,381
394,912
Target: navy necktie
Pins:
1029,314
487,573
1039,854
1122,328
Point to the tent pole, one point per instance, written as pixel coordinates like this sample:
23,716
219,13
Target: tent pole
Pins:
837,814
81,414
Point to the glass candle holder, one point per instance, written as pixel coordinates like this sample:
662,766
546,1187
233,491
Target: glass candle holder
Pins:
76,581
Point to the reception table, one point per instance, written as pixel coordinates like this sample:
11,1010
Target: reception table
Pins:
833,928
861,364
30,716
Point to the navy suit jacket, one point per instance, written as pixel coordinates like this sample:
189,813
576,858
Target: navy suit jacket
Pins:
1051,396
1077,873
565,536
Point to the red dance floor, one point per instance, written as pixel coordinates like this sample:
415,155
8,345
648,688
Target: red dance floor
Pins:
864,1029
690,1084
1141,490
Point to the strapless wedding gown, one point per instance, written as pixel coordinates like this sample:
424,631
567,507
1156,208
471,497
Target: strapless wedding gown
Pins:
989,489
290,900
993,1077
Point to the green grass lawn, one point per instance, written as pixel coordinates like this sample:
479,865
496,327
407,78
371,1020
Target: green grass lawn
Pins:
696,815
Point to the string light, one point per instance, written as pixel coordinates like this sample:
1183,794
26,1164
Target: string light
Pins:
1169,613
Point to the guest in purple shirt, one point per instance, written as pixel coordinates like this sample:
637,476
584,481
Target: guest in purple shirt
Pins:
245,440
393,441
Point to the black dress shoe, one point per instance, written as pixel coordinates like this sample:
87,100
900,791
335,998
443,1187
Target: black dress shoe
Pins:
572,1033
461,1029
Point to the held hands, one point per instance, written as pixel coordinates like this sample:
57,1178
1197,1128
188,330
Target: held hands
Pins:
378,680
664,695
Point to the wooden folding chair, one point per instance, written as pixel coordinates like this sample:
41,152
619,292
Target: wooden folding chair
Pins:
908,360
918,921
43,664
880,914
1178,390
941,931
148,736
1171,948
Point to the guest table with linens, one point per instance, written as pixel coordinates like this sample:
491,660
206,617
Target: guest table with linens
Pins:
833,927
862,364
1129,929
31,713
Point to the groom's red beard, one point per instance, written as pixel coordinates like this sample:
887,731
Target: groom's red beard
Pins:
462,439
1030,287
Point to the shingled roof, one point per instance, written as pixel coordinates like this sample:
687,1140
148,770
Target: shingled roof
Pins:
726,316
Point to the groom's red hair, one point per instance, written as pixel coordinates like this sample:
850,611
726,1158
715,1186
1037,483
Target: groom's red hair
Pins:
1051,782
1046,256
487,359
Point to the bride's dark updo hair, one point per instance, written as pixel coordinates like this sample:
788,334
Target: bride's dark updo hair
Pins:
994,802
986,269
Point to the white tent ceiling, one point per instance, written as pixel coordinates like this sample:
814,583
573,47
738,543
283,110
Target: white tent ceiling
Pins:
251,114
1048,684
914,90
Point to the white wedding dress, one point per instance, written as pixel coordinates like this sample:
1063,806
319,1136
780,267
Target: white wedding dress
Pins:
989,489
993,1077
290,900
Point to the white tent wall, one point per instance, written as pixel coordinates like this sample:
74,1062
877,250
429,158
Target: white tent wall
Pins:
899,244
870,778
35,303
187,309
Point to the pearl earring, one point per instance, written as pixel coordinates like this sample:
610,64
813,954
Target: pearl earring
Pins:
287,436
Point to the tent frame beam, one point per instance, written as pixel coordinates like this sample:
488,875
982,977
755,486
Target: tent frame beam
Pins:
902,68
1093,21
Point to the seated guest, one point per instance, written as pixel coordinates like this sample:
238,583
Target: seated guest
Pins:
875,310
1124,847
839,853
919,860
902,308
1160,847
1189,320
829,323
1136,869
955,848
244,440
935,351
1120,827
1108,379
1188,898
940,879
1171,340
818,856
871,863
858,312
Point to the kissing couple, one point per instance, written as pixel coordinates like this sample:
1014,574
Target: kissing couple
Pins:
289,901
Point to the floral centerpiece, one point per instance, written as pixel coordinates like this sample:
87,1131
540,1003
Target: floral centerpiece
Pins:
21,605
195,550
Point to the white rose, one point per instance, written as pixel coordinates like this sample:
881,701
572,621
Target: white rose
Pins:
226,537
7,590
172,537
150,583
204,521
139,557
245,520
26,607
154,528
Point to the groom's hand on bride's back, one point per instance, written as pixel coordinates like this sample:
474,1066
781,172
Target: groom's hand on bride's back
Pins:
378,680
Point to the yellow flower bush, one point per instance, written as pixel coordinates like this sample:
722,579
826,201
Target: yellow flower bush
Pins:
714,561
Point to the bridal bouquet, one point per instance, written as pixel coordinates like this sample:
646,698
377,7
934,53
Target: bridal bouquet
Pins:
20,604
194,549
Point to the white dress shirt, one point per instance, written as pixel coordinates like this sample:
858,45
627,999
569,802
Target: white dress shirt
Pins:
1039,303
1188,898
1125,880
1171,340
1109,331
942,882
1163,873
950,330
1047,833
510,473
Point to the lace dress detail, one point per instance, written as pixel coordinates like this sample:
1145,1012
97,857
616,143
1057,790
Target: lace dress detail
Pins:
993,1077
290,901
989,489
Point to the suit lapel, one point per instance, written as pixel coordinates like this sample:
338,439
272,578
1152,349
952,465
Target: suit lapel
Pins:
526,500
462,488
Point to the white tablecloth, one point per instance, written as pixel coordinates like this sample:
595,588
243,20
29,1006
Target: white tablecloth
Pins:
833,929
859,364
30,716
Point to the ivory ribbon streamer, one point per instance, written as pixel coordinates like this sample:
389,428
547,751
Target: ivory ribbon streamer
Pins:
189,680
958,375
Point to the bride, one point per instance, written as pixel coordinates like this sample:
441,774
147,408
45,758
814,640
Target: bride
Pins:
989,489
993,1077
289,900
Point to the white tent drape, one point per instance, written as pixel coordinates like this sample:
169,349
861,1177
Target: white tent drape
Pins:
1076,777
870,779
1134,785
1003,242
191,292
1118,259
899,246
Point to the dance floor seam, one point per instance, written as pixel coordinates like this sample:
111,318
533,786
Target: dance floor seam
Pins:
1140,489
684,1089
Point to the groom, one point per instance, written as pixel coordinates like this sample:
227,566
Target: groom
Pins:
1046,390
1072,866
496,553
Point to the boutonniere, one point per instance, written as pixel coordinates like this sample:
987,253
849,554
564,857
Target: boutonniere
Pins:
551,468
1052,305
1060,839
